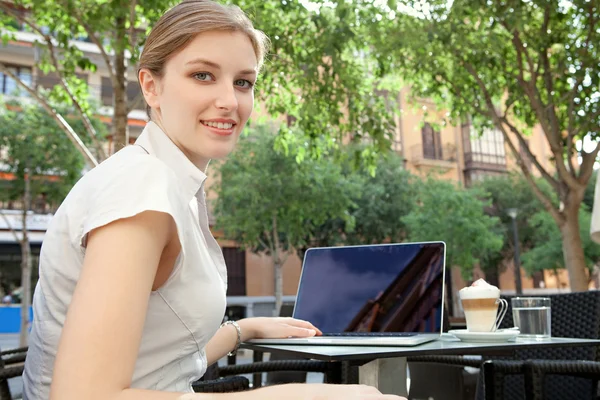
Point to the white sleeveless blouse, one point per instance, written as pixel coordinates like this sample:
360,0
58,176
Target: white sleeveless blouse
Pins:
184,313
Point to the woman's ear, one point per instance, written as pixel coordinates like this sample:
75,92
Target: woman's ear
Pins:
150,88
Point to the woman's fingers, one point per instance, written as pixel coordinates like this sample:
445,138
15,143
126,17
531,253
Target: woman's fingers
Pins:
300,332
302,324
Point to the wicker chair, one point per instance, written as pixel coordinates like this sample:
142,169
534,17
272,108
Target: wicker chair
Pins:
535,373
227,379
216,380
574,315
11,366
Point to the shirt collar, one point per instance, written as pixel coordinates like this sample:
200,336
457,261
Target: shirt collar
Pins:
156,142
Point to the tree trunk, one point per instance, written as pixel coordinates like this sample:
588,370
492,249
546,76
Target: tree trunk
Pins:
278,286
25,268
120,127
573,249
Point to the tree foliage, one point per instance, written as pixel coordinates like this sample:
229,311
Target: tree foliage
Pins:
506,192
509,65
34,145
379,203
268,202
318,73
546,251
116,28
455,216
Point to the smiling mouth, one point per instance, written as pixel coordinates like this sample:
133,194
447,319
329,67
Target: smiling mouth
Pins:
218,125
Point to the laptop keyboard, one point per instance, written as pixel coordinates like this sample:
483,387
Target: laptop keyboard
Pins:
372,334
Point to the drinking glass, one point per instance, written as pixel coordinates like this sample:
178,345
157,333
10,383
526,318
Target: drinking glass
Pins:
532,316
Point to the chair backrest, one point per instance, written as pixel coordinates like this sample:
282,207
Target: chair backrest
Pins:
4,389
575,315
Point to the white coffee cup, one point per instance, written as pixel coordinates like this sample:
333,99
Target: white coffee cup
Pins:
480,304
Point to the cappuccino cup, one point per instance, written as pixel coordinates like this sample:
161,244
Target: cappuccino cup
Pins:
483,307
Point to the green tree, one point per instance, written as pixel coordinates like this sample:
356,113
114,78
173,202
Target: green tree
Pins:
510,65
267,202
384,200
455,216
546,252
319,74
588,198
115,27
379,204
505,192
43,162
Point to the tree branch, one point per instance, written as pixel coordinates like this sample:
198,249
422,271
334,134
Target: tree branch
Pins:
262,243
552,130
92,35
591,123
270,245
132,33
10,228
556,214
531,156
21,18
550,107
587,164
498,123
51,49
570,132
519,43
75,139
86,120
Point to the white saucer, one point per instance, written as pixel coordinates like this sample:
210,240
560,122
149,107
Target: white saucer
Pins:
501,335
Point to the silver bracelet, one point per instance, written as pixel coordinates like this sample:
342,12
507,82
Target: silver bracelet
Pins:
239,336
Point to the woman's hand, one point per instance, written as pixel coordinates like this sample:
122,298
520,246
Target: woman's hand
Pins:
276,328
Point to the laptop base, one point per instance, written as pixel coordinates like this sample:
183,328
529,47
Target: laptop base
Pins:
415,340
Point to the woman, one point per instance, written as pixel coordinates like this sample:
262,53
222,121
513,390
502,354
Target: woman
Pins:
132,283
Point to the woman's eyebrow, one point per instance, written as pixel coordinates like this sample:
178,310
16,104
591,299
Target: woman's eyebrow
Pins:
214,65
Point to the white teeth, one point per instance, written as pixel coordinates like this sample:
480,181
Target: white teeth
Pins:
218,125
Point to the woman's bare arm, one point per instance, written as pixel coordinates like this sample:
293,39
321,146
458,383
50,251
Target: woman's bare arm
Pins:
103,329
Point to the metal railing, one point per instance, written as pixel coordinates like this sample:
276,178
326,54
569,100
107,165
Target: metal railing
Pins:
447,153
257,306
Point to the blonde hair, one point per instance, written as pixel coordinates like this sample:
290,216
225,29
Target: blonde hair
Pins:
182,23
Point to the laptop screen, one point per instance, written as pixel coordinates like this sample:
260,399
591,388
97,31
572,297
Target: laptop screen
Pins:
373,288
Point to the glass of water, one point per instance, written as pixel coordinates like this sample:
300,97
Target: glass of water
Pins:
532,316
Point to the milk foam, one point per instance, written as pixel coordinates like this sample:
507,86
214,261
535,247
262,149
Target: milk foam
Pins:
480,289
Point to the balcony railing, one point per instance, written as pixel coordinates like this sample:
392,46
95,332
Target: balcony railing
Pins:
437,157
485,161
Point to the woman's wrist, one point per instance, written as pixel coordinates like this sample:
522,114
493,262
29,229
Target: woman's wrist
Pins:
247,327
238,335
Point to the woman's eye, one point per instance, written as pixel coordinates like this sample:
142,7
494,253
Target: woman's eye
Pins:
202,76
244,83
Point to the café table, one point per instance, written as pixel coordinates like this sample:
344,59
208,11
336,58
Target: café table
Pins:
385,367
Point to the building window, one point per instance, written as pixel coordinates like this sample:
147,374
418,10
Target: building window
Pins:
432,143
9,86
235,259
488,148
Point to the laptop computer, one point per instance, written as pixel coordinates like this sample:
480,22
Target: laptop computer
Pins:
382,295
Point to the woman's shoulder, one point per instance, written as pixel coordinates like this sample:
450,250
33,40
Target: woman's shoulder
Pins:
131,162
130,171
129,177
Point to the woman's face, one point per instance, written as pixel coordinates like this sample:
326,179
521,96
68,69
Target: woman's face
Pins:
205,95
